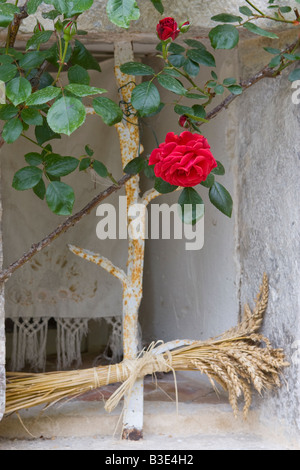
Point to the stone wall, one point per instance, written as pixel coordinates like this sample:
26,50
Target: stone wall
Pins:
269,224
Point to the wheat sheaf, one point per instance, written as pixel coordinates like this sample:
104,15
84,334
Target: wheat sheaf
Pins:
241,361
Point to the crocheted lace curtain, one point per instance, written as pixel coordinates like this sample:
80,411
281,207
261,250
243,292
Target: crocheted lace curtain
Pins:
56,284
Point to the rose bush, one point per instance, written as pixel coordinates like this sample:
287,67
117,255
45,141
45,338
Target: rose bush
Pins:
167,28
184,160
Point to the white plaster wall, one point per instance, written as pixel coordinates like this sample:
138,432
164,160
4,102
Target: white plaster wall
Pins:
194,294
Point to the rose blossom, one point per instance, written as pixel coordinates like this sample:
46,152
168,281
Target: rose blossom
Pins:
183,121
167,28
183,160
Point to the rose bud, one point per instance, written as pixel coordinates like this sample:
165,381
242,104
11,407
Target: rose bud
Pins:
183,121
184,27
38,28
70,29
167,28
183,160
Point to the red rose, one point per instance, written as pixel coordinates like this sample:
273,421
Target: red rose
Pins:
183,121
183,160
184,27
167,28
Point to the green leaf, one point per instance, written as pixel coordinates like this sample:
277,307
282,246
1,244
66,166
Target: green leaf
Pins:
70,7
41,37
171,84
84,90
81,56
56,165
6,59
221,199
171,71
18,90
275,61
191,68
179,109
195,44
27,178
32,60
219,89
66,115
108,110
246,11
44,133
229,81
7,13
60,198
33,159
226,18
291,56
272,50
294,75
195,96
224,36
32,6
209,181
100,169
136,68
192,206
135,166
8,111
90,152
12,130
77,6
177,60
149,172
163,187
235,89
201,57
261,32
50,15
41,82
158,5
219,170
145,98
176,48
122,12
285,9
43,96
78,74
40,190
7,72
84,164
32,117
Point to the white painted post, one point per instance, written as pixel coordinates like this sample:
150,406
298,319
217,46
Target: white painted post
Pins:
133,290
132,280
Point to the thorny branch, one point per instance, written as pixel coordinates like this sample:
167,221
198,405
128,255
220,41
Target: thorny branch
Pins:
266,72
62,228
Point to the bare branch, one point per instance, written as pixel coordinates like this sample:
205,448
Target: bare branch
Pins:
62,228
148,196
265,72
100,261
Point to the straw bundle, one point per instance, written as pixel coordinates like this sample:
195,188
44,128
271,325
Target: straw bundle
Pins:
239,360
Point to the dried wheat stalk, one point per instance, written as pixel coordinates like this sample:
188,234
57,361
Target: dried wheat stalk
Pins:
239,360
